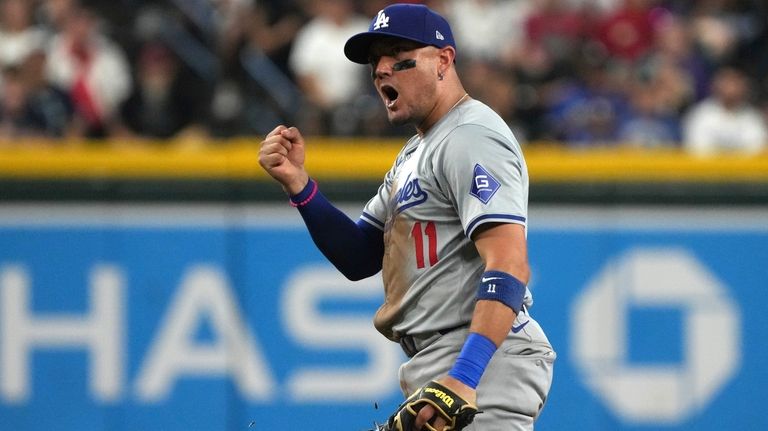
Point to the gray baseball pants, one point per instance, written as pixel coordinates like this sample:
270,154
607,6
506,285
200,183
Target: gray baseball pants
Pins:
513,388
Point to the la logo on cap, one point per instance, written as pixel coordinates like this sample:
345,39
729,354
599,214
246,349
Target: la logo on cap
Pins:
382,20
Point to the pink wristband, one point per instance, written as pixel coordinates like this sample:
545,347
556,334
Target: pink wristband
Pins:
308,199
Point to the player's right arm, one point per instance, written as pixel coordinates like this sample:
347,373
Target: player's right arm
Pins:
355,249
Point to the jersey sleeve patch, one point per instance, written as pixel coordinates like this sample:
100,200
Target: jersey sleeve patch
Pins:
484,185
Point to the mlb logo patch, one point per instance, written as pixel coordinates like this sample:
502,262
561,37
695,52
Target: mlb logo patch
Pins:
484,186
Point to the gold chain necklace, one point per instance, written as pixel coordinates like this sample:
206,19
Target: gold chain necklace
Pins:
458,101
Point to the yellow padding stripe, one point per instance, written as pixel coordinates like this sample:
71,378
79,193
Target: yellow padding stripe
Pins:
632,165
231,160
349,159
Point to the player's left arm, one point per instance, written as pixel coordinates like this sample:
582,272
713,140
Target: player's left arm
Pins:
504,251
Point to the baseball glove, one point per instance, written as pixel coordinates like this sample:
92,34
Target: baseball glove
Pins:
457,412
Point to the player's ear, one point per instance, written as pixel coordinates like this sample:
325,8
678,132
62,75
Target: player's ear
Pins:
445,59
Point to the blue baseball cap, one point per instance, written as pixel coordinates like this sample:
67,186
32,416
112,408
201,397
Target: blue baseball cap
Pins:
406,21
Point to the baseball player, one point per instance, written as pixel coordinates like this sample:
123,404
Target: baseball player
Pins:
447,229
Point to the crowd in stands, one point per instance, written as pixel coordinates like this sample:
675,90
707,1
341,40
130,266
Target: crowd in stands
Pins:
646,73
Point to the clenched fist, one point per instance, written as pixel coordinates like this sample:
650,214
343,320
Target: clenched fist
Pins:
282,156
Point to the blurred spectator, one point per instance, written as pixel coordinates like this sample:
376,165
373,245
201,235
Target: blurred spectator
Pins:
232,20
755,52
594,7
674,48
496,87
726,121
30,107
627,33
18,35
489,30
273,29
324,74
722,27
164,103
226,114
48,104
53,14
582,72
269,90
648,124
91,69
557,31
537,80
16,120
552,46
588,110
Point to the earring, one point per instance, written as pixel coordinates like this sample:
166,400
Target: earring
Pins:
439,76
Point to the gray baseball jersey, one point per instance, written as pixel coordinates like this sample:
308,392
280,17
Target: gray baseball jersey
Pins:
467,170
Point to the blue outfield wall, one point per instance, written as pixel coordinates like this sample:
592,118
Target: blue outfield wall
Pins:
226,318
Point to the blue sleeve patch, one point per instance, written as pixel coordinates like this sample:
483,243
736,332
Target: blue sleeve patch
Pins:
484,186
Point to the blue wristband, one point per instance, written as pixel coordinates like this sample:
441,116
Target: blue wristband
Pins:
502,287
473,359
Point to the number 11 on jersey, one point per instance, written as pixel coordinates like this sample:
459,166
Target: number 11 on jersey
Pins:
430,231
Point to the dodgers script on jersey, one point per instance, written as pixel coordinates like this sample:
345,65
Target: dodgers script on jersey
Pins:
468,169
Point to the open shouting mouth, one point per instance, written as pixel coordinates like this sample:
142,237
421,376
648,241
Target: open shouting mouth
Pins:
390,95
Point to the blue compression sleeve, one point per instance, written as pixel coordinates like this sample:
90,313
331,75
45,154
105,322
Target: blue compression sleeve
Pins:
355,249
473,359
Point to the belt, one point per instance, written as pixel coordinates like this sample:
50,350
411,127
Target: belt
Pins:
413,344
